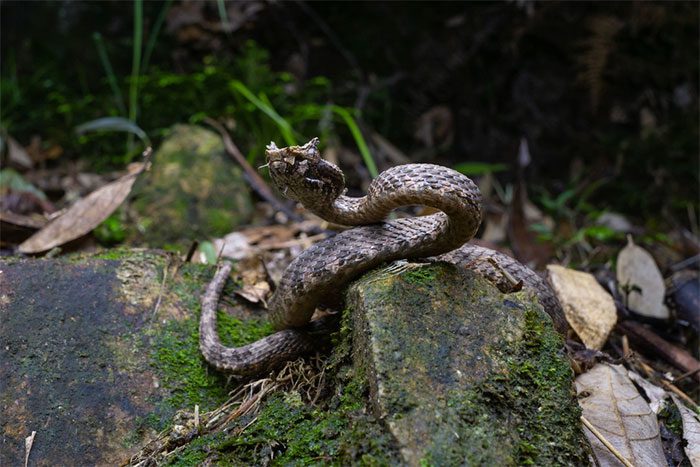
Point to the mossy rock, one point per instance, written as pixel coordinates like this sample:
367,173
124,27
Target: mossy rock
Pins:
192,191
98,352
462,374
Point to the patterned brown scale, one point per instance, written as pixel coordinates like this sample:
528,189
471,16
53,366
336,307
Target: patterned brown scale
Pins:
317,276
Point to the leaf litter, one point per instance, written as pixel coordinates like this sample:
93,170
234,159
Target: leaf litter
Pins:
612,404
85,214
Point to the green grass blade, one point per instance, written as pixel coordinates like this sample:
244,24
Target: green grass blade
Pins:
111,77
136,60
359,139
267,109
154,35
113,124
221,6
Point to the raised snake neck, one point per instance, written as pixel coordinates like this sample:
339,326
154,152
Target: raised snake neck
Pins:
317,276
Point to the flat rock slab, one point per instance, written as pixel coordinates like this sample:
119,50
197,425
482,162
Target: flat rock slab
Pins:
85,349
461,373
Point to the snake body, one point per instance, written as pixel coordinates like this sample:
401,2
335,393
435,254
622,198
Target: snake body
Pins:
317,276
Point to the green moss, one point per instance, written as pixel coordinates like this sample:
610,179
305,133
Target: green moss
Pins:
176,346
338,431
671,417
513,400
112,254
423,275
292,432
182,369
533,394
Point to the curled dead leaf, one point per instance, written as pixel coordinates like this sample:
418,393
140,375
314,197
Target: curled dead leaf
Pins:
588,308
255,293
83,216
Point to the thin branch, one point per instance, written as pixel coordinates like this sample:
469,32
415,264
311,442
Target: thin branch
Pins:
605,442
255,180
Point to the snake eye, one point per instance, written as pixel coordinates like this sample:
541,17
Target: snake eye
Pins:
313,183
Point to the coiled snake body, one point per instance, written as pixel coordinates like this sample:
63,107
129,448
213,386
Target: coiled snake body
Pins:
317,276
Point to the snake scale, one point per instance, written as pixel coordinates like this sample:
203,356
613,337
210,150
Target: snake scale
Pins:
317,276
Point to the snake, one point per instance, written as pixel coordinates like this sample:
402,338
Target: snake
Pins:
317,277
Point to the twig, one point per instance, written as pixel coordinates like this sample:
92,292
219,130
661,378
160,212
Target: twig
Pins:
160,292
28,443
514,284
686,374
646,339
605,442
255,180
668,385
674,389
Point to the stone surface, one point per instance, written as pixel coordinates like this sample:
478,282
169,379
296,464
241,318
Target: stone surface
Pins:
84,355
462,374
192,192
98,353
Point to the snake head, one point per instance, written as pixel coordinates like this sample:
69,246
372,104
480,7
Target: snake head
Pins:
302,175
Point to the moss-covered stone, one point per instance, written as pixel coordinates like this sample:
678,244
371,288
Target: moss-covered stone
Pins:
462,374
98,351
191,192
289,431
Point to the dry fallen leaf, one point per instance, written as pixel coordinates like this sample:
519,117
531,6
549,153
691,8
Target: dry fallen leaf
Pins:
28,443
641,282
254,281
81,217
255,293
691,432
588,308
611,403
654,394
233,246
17,155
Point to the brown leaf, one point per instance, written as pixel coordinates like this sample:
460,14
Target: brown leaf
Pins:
655,395
524,241
81,217
691,432
588,308
641,282
17,155
255,293
31,222
613,406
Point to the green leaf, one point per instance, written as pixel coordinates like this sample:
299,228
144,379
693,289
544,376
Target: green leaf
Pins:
113,124
602,233
359,139
209,251
267,109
